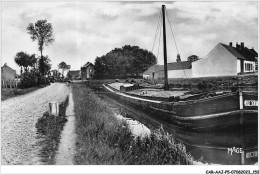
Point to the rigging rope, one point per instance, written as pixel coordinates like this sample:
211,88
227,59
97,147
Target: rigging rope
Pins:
159,40
156,32
175,42
172,31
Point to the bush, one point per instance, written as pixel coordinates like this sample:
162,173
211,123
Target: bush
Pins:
31,79
202,85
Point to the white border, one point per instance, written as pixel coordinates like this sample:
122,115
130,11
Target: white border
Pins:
118,169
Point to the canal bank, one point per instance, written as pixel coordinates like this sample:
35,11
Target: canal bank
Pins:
205,147
103,139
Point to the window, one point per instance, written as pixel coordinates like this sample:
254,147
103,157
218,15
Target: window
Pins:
248,67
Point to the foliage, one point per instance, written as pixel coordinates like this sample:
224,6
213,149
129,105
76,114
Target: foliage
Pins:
44,65
41,31
193,58
128,61
31,79
63,66
25,60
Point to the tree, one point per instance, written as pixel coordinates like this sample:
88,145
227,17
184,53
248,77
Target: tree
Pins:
44,65
128,61
63,66
25,60
33,60
41,31
193,58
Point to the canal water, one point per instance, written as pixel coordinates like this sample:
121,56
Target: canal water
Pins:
230,146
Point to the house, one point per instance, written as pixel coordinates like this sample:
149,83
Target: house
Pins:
223,60
73,74
226,60
87,71
7,73
55,73
180,69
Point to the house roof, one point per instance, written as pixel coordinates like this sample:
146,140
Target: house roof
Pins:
245,53
87,64
179,65
171,66
73,73
7,67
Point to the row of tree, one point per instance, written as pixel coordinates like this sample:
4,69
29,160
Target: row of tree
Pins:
128,61
42,32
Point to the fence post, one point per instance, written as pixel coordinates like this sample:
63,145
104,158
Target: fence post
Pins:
3,85
54,108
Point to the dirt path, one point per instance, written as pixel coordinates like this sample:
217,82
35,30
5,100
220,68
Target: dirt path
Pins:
66,150
18,118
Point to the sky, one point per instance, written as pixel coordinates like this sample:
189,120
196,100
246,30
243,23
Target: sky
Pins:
86,30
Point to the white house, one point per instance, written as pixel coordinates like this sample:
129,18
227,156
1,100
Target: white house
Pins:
223,60
226,60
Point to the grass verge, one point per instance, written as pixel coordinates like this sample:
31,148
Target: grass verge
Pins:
49,128
102,139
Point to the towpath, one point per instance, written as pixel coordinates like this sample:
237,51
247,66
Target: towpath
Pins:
66,150
18,118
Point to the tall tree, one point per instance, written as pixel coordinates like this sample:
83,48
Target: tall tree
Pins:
44,65
41,31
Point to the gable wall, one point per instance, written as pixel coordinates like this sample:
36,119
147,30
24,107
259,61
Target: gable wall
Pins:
219,62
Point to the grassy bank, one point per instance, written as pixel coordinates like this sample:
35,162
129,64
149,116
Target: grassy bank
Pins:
9,93
49,129
102,139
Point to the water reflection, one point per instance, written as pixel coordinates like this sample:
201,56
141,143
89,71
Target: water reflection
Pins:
230,146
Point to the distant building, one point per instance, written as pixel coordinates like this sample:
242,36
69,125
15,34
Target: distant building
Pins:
223,60
180,69
54,73
226,60
7,73
87,71
73,74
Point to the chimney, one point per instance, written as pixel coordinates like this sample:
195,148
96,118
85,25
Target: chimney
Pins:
237,46
242,45
230,44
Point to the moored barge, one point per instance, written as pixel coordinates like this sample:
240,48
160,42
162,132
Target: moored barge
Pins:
220,110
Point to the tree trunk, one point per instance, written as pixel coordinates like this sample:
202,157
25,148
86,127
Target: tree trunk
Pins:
40,65
63,74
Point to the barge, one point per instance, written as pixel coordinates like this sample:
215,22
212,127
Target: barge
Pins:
220,110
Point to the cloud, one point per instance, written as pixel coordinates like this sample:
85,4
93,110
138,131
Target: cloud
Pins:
85,30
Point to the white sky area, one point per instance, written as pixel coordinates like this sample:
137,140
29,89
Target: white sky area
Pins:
85,30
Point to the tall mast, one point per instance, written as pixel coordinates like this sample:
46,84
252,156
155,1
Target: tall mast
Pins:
166,85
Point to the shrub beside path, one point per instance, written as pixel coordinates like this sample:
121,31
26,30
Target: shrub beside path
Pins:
18,118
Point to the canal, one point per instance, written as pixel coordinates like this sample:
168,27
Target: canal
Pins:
228,146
